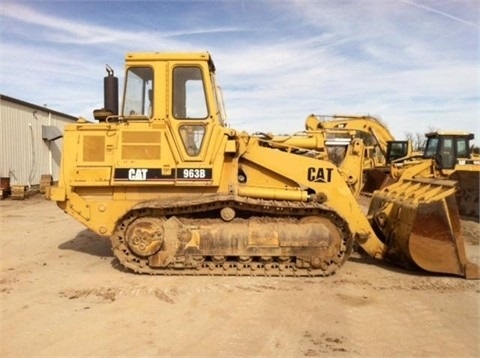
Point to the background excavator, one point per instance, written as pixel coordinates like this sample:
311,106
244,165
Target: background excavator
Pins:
178,192
380,147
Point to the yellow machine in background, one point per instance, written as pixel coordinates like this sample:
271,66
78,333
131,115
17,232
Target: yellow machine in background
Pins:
321,145
447,155
178,192
370,129
381,148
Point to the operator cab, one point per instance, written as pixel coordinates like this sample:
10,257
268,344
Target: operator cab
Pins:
447,147
397,149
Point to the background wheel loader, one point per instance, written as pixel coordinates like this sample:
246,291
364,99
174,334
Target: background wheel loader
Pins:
178,192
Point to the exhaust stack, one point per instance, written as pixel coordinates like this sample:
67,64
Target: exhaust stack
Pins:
110,97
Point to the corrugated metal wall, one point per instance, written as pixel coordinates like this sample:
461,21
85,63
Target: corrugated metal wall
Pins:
24,155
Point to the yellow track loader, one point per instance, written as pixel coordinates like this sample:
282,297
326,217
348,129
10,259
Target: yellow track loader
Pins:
179,192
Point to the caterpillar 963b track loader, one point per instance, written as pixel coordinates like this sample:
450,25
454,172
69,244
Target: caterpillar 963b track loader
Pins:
178,192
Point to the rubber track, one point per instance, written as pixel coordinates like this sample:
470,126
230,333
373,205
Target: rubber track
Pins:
231,267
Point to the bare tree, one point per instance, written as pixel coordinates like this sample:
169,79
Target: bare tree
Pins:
418,139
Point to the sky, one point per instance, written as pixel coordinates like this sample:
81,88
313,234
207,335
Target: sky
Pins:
413,64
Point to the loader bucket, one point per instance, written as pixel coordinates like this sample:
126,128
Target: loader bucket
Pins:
375,179
419,222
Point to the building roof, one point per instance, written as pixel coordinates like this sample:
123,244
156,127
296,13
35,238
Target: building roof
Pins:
34,106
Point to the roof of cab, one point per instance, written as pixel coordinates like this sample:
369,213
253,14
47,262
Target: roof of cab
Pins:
447,133
170,56
165,56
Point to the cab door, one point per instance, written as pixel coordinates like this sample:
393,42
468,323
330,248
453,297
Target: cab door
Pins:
192,122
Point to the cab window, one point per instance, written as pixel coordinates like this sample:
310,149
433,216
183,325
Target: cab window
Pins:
189,100
462,148
396,150
138,92
431,148
447,156
192,138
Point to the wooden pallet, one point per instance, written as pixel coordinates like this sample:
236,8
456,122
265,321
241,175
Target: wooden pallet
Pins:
19,192
46,181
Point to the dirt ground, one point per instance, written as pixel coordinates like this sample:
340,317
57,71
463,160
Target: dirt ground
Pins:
63,294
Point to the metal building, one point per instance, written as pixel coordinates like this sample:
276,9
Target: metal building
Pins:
30,141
